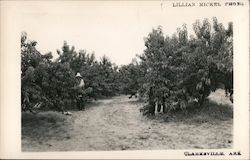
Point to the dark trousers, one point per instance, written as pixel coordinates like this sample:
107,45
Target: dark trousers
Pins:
80,104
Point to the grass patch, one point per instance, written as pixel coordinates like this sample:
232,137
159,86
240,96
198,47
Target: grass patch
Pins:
215,109
44,126
210,112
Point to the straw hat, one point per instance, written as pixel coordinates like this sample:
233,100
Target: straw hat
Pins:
78,75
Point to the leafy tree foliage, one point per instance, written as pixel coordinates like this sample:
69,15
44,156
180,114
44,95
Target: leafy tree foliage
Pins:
181,70
51,83
130,77
33,73
175,71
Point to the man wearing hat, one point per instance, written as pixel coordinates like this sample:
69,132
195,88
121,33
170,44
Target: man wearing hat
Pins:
79,87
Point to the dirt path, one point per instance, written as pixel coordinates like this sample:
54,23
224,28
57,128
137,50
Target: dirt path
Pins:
117,124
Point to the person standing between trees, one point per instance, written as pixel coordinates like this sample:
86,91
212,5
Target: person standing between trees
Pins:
79,88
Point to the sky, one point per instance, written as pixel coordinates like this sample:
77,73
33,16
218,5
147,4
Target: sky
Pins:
115,29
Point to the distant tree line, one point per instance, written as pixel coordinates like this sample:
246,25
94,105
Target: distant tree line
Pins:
174,72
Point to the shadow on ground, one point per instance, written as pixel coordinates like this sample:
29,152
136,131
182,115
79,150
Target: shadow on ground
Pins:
215,109
210,112
44,125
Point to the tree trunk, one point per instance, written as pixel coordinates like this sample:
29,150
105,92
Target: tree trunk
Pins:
202,99
158,107
163,105
151,109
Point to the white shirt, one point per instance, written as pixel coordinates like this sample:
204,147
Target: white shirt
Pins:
81,83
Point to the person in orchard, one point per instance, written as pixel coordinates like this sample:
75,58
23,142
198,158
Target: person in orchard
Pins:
79,88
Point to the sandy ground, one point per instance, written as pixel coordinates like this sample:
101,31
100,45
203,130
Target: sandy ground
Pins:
117,124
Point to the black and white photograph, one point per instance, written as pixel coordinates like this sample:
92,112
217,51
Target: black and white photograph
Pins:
141,76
